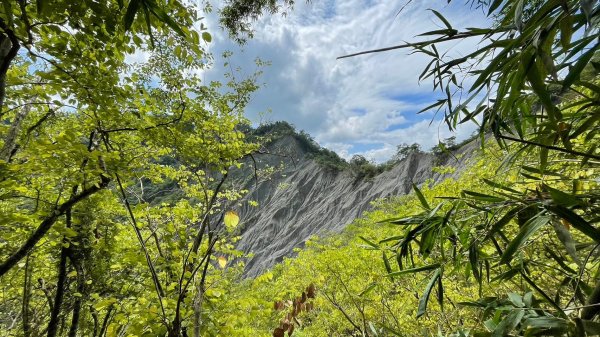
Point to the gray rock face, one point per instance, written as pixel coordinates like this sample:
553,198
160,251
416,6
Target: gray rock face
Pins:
302,198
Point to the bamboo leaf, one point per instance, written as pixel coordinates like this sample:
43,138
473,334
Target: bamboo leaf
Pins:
483,197
414,270
547,323
164,17
566,30
576,70
576,221
528,229
494,6
421,197
425,297
132,9
567,240
441,17
370,243
508,323
562,198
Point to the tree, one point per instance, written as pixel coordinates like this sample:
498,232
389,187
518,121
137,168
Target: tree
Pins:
83,131
404,150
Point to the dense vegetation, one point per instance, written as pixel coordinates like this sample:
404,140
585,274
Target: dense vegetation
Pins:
509,248
358,165
83,251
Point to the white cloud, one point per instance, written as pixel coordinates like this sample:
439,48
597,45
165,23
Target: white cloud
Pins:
369,99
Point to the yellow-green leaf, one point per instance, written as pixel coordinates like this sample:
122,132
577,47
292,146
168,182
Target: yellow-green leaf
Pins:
222,262
231,219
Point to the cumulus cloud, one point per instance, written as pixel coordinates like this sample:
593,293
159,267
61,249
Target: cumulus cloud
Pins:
365,104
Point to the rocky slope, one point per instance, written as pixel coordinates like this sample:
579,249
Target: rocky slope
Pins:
298,198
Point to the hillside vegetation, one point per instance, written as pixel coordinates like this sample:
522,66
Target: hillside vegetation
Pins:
373,281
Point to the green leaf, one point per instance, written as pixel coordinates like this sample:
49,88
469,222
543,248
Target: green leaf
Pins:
438,104
440,293
576,70
566,30
474,261
441,17
516,299
518,16
483,197
494,6
565,237
503,221
132,10
538,85
164,17
148,25
368,289
206,37
587,7
386,263
427,242
500,186
421,197
543,158
528,229
231,219
8,12
370,243
41,6
547,323
508,323
576,221
564,199
591,328
414,270
425,297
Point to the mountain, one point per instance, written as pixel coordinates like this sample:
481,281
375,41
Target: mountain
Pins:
303,190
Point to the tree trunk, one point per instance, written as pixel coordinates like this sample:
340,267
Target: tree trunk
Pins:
26,298
79,300
9,47
60,285
60,291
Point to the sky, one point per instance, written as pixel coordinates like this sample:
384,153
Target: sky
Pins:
362,105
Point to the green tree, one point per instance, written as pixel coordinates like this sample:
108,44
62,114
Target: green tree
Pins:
83,131
404,150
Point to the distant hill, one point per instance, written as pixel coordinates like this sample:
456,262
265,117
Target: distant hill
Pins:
303,189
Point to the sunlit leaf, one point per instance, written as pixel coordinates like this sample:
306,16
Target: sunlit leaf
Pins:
231,219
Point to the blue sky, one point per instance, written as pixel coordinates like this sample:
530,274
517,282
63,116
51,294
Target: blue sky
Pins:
365,105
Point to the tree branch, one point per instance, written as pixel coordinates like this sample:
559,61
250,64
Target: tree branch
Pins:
45,226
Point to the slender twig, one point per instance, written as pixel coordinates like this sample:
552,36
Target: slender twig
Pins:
339,307
581,271
550,147
159,291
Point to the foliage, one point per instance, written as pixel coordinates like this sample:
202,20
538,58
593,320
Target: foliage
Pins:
535,77
237,15
86,248
363,168
355,296
404,150
270,132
